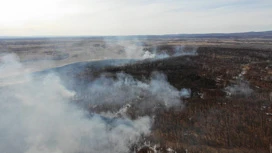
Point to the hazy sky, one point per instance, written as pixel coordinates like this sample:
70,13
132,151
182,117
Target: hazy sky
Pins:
129,17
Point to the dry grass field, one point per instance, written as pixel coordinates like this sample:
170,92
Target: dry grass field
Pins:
230,81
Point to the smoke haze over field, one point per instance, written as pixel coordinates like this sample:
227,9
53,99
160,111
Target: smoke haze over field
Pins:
241,88
38,115
125,89
137,49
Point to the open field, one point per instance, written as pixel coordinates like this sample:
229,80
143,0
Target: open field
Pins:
228,85
53,52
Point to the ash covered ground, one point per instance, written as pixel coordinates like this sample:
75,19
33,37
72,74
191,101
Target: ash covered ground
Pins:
82,95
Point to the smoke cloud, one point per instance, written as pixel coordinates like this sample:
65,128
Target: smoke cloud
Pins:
40,115
37,116
185,93
136,49
240,89
144,95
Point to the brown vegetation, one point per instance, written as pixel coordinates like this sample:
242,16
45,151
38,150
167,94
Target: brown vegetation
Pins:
211,120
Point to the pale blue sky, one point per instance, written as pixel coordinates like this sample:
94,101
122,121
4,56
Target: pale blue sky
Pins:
132,17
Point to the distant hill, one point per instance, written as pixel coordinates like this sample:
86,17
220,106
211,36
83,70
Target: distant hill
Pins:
261,34
244,35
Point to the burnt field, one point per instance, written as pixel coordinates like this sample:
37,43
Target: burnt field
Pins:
156,94
230,104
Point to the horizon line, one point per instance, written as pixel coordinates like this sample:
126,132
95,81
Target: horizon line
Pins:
132,35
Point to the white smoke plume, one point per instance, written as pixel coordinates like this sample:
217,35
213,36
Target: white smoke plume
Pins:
133,50
241,89
126,48
148,54
178,51
10,65
127,90
185,93
137,49
11,70
37,116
